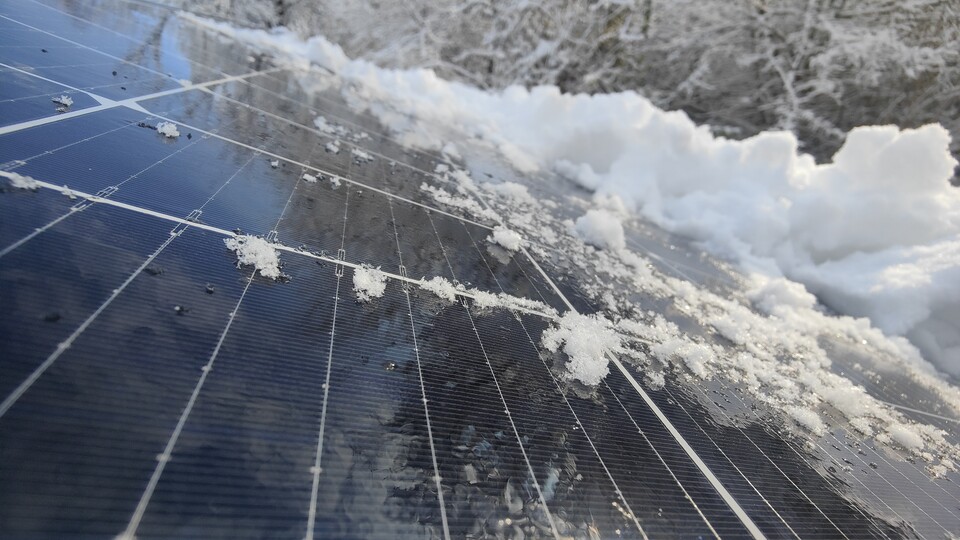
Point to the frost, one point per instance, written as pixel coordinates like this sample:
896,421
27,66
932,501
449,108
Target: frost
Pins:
64,100
20,181
505,237
601,229
168,129
586,340
368,282
252,250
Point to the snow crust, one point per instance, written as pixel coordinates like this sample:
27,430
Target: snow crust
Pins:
505,238
875,232
168,129
252,250
586,340
369,282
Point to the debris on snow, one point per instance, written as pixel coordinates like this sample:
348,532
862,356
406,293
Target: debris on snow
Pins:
168,129
252,250
368,282
505,237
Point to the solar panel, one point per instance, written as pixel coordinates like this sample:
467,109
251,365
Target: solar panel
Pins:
153,388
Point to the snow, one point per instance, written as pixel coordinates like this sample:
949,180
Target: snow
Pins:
20,181
307,177
440,287
368,283
333,147
168,129
252,250
601,229
275,163
872,233
64,100
586,340
505,238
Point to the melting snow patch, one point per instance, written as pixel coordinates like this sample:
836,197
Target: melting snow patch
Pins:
368,282
168,129
255,251
64,100
602,229
20,181
505,237
586,340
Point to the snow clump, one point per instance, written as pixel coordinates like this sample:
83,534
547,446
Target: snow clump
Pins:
586,340
20,181
601,229
252,250
506,238
64,100
368,282
168,129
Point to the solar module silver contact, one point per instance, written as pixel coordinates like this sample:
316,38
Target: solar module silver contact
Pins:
153,389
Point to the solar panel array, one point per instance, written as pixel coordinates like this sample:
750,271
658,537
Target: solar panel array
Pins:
152,388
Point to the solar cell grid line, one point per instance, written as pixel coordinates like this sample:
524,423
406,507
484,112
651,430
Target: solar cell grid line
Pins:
105,103
506,408
582,427
314,169
804,460
328,136
326,384
113,31
515,259
82,205
753,412
63,346
24,386
423,389
130,531
766,501
910,482
937,524
766,457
